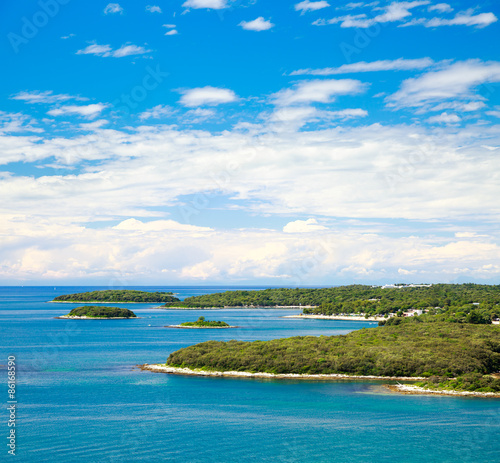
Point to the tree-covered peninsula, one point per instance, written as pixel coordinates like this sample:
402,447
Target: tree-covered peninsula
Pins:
453,301
118,296
100,312
438,351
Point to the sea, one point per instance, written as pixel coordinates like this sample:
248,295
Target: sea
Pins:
81,398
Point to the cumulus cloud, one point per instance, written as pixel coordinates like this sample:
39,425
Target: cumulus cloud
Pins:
106,50
317,91
207,96
307,5
172,32
90,111
112,8
303,226
259,24
400,64
161,250
208,4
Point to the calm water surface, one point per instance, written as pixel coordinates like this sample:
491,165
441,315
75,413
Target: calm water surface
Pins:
82,400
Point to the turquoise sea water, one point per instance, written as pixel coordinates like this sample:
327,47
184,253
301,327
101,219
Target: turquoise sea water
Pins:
81,399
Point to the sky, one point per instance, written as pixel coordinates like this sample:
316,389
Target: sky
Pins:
249,142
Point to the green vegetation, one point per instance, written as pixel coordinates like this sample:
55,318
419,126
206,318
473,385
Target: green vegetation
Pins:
467,303
201,322
470,382
117,295
93,311
409,349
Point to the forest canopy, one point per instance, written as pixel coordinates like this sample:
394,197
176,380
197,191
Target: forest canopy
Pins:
424,349
93,311
118,295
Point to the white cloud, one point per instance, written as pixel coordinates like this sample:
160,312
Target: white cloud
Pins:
441,7
444,118
172,32
128,50
198,115
158,226
455,81
493,113
458,106
153,9
394,12
207,96
157,112
91,126
208,4
466,18
153,251
90,111
169,26
48,96
400,12
65,37
317,91
400,64
15,122
311,6
106,50
112,8
259,24
303,226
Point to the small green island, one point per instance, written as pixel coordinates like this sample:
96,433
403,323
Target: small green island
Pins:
202,323
90,312
118,296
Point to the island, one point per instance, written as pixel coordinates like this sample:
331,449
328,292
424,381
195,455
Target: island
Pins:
202,323
118,296
455,357
92,312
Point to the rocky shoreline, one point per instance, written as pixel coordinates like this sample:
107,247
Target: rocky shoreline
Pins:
411,389
163,368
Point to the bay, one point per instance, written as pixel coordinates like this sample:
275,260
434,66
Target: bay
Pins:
81,397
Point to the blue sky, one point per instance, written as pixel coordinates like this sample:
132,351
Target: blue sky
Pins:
218,141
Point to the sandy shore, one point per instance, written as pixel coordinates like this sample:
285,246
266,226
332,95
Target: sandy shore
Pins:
337,317
162,368
201,327
411,389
